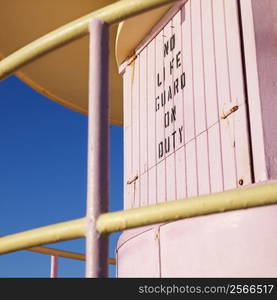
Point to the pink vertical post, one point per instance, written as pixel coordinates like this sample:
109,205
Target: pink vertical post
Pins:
98,149
54,266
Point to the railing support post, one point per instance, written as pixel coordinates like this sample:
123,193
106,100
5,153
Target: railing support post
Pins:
54,266
98,149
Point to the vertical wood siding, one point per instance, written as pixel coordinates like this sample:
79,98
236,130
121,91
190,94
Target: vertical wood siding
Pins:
185,120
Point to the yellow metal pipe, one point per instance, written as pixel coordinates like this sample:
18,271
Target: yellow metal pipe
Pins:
57,252
63,253
111,14
242,198
44,235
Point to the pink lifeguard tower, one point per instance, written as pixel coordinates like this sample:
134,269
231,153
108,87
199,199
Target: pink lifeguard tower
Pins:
193,83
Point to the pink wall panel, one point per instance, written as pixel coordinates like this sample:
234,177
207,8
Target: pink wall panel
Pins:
159,96
252,76
188,98
215,159
260,38
151,111
203,164
161,182
217,245
143,107
135,85
139,256
238,97
181,174
169,111
170,178
144,189
197,67
179,81
221,245
160,110
191,163
143,121
152,186
209,63
128,188
151,122
223,94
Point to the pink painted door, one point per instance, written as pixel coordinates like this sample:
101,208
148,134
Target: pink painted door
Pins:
186,134
185,112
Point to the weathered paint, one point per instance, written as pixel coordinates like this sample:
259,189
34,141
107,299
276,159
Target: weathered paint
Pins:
217,148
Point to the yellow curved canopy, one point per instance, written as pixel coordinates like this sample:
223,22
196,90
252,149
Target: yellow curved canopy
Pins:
132,31
62,75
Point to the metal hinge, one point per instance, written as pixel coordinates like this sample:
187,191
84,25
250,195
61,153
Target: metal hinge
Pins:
132,59
130,181
227,113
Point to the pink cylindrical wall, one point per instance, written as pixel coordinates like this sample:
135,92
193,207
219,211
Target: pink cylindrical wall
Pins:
233,244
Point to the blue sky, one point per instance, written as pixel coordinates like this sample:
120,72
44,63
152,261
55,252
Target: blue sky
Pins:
43,155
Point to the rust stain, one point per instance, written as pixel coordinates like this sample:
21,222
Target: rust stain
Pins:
229,112
157,236
131,63
130,181
132,59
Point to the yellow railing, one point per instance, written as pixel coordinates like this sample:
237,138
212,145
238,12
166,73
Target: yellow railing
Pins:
247,197
264,194
61,253
44,235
